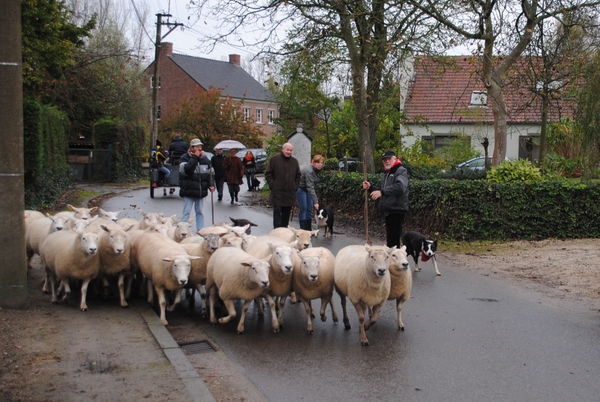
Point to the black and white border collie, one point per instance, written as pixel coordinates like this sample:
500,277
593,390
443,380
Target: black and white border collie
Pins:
325,220
418,245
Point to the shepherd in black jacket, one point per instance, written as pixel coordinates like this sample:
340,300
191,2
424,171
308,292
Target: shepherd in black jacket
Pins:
217,164
194,181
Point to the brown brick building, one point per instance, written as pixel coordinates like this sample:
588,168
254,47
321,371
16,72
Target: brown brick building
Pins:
181,76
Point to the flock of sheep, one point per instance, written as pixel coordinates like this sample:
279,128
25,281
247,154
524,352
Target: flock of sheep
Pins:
222,262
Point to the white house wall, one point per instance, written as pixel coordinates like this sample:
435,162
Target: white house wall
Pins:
476,132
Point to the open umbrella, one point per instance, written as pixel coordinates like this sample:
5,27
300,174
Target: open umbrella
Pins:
229,144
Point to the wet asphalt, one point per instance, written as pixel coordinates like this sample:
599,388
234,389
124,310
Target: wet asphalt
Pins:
470,336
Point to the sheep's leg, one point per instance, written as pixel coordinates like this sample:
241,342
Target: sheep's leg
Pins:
399,302
121,283
45,287
360,310
437,271
65,285
261,307
162,303
150,292
240,328
84,286
344,311
281,306
176,301
308,308
211,303
230,310
128,286
324,302
374,317
329,300
53,286
293,298
274,321
312,312
105,285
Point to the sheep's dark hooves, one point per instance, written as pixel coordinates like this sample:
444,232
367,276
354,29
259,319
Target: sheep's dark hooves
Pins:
276,330
347,326
240,332
310,332
323,318
400,328
364,343
439,274
312,316
85,309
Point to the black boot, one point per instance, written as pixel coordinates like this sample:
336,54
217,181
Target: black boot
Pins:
305,224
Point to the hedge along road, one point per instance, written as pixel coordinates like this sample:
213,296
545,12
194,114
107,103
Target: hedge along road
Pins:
469,336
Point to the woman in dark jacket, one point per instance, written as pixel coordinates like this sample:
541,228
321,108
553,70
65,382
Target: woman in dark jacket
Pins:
306,194
235,171
249,163
195,181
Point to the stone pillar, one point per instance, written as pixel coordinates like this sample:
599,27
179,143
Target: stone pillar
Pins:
13,265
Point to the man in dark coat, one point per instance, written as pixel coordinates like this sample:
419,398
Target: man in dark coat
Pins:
217,164
195,181
283,176
177,148
392,196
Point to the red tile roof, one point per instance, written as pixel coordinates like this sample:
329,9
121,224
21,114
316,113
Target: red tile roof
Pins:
441,93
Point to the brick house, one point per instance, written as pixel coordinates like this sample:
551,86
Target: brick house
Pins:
180,76
442,102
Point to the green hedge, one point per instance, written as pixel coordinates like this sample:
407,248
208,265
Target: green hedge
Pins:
476,209
45,139
127,141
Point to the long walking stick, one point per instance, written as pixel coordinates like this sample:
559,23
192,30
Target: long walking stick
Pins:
366,213
212,202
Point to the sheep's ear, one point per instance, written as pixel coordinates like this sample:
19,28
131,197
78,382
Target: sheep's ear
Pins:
71,207
293,229
403,248
93,209
127,228
392,248
193,257
294,244
168,259
105,228
93,218
101,211
246,264
367,246
270,244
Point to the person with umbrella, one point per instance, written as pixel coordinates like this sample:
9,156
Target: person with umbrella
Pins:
235,171
195,181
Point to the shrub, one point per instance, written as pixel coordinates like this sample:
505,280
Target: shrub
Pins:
520,170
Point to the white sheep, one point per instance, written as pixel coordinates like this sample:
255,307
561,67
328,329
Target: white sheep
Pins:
126,222
401,277
180,230
82,213
110,215
114,249
165,264
71,254
29,216
362,274
313,279
39,229
197,277
289,234
283,260
149,220
235,274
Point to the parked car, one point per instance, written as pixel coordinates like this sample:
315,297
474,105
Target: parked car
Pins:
351,164
477,163
260,155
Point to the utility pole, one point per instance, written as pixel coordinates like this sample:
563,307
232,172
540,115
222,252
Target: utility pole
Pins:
13,264
155,78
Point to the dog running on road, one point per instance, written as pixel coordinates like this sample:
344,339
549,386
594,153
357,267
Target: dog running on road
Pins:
325,219
418,245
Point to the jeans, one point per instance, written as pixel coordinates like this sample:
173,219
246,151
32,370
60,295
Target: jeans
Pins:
249,177
393,229
187,208
166,172
281,216
305,204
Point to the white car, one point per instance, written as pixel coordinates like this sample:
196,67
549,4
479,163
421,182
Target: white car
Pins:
477,163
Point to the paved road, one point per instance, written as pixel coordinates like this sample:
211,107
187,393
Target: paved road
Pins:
469,337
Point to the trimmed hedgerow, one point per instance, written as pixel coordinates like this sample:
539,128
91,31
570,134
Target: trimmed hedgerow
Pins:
477,209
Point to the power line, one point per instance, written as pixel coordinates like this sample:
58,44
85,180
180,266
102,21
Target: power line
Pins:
141,22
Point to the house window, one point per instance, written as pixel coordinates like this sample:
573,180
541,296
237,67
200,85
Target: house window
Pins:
158,111
271,116
152,81
259,116
246,113
478,98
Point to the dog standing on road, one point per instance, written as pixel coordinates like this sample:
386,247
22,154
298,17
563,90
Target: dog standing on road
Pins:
325,219
418,245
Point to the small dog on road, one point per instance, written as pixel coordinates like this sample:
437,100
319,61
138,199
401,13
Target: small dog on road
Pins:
325,220
418,245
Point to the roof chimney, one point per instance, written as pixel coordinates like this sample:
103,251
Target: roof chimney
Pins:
166,48
235,59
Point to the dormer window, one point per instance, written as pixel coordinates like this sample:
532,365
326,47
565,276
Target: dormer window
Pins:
478,99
